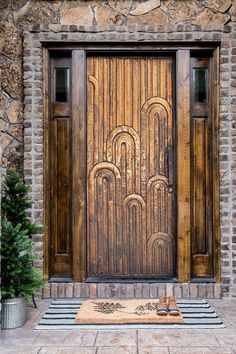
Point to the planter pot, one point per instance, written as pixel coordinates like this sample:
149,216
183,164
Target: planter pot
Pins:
13,313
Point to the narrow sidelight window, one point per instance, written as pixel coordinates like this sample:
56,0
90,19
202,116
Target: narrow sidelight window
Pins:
62,79
200,78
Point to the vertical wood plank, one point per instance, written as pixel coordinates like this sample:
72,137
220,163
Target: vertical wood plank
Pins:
142,82
136,94
92,95
149,78
106,105
79,164
155,76
100,77
183,165
113,92
96,111
128,91
62,127
199,185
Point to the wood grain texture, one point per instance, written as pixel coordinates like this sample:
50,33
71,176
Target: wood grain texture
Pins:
79,165
129,133
130,113
202,176
183,165
60,180
199,235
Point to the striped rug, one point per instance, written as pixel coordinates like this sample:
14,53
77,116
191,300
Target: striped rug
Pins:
197,314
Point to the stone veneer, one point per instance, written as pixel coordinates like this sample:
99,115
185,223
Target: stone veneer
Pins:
131,20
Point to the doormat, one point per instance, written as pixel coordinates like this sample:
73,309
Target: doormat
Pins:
197,314
122,312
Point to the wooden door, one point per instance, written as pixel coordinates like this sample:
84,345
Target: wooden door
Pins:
130,167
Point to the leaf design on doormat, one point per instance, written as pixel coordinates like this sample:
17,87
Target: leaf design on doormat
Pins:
107,307
145,309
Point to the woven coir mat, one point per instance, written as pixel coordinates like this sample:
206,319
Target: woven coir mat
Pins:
122,312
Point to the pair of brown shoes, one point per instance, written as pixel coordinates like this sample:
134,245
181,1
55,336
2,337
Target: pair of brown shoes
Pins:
167,305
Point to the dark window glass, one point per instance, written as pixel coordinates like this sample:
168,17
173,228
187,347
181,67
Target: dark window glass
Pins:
200,85
62,85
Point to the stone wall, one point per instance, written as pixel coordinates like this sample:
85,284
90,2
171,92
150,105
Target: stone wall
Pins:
130,20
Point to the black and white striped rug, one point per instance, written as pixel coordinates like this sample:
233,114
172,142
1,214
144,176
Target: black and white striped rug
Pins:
197,314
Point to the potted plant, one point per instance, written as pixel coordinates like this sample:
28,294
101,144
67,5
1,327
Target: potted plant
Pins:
19,279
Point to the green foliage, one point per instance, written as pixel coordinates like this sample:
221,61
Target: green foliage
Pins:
15,201
18,276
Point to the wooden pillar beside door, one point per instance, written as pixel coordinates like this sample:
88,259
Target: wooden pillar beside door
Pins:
183,166
79,164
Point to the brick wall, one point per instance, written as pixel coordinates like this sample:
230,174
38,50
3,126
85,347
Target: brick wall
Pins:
136,290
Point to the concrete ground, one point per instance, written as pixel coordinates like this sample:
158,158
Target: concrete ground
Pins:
26,340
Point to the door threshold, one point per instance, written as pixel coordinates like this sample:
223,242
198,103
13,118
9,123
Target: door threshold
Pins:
129,280
203,280
60,280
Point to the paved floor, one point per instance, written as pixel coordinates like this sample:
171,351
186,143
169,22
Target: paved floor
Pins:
26,340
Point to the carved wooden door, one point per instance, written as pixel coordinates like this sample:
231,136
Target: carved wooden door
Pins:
130,169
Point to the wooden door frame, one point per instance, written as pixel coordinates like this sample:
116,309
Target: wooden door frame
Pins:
182,116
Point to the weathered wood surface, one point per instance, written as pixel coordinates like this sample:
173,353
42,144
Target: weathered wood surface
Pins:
114,147
183,165
202,176
60,180
129,134
79,164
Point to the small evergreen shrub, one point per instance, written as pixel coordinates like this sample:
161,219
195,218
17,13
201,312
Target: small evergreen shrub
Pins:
18,276
15,202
